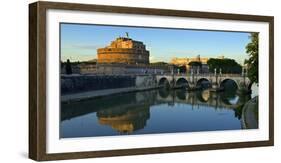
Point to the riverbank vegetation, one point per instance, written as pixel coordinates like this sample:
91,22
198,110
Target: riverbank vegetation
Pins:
252,63
226,65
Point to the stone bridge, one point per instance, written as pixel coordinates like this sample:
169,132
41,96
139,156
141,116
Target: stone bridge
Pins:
196,81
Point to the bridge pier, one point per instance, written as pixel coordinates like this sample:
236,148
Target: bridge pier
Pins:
244,87
216,88
192,87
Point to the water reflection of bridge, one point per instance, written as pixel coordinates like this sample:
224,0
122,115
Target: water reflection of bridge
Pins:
129,112
227,100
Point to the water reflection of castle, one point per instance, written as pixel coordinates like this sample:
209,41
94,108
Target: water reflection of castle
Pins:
125,120
130,112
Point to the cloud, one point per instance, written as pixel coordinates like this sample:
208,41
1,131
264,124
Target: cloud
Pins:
87,47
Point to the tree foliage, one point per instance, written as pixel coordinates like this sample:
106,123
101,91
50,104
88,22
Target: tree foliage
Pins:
226,65
182,69
195,64
252,63
179,68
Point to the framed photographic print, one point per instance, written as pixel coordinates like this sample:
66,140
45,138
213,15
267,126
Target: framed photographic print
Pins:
111,81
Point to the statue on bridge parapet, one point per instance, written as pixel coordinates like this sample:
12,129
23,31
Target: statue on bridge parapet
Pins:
215,86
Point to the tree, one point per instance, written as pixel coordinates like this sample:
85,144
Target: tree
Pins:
182,69
195,64
68,69
226,65
252,63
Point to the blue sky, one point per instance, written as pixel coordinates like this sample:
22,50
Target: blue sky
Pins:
81,41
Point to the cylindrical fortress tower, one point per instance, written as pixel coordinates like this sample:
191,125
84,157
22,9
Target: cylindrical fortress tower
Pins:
125,51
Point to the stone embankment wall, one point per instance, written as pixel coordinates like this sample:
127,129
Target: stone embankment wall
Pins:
83,83
250,118
146,81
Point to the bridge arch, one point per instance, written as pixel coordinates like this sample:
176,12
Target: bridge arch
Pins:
223,83
164,82
203,82
181,82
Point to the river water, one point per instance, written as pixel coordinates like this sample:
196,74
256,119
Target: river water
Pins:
154,111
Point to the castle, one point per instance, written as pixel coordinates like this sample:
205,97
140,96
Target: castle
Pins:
123,50
123,56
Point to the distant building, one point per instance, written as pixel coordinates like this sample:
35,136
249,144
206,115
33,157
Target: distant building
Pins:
186,61
123,50
221,57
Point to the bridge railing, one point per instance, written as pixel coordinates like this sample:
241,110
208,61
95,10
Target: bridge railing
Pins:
201,75
158,74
